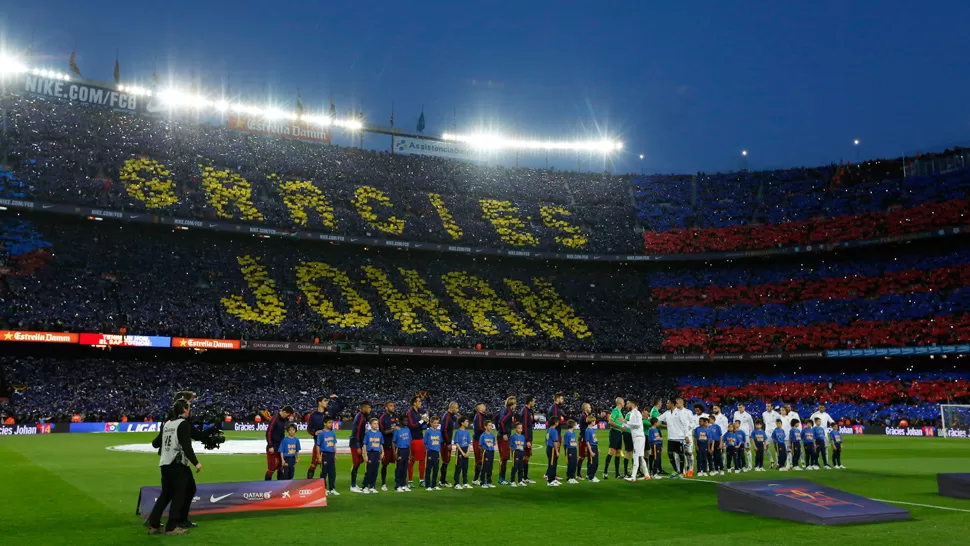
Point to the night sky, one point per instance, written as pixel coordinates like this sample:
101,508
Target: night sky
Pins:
688,84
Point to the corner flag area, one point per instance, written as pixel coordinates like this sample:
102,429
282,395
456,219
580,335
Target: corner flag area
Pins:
75,489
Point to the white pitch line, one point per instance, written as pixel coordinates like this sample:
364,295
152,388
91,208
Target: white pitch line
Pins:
925,505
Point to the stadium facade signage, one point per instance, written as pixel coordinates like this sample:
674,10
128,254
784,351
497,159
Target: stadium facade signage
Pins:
922,432
370,241
200,343
17,203
38,337
251,426
288,346
33,429
113,427
437,148
83,93
294,129
102,340
900,351
215,498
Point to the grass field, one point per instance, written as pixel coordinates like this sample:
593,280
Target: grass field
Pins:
68,489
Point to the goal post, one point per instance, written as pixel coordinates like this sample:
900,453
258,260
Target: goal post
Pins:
955,420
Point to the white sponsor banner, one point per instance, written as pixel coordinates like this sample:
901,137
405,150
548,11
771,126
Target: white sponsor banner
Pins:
437,148
80,92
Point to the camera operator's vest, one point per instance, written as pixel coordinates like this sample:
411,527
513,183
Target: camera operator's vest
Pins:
171,448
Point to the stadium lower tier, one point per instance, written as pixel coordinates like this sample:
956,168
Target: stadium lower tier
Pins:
83,276
877,397
102,389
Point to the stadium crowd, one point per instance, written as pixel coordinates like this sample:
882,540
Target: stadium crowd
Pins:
103,389
104,277
763,210
853,301
158,282
180,167
106,390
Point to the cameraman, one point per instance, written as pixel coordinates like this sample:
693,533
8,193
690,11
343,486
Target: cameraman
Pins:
174,442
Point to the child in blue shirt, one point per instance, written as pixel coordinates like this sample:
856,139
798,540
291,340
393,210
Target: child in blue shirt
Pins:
730,442
759,439
327,444
717,462
552,451
702,440
432,447
795,439
374,444
820,451
463,443
517,442
571,443
402,457
592,445
656,441
835,438
290,451
742,445
488,445
778,438
808,445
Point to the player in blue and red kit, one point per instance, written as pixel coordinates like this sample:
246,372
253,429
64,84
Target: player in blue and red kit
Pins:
585,412
387,424
417,424
504,424
326,407
358,453
275,431
478,428
528,419
432,446
326,444
448,424
402,450
555,411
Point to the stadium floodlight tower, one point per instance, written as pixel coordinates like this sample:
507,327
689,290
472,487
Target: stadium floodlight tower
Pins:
955,419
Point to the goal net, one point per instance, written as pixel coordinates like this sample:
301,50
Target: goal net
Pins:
956,420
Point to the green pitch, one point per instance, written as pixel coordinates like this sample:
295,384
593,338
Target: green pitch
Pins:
68,489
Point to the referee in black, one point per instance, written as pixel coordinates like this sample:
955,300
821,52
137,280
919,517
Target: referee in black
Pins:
176,457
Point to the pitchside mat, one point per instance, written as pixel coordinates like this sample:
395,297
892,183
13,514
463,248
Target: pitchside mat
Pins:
954,485
804,501
220,498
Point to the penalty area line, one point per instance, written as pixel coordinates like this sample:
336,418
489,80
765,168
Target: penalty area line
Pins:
925,505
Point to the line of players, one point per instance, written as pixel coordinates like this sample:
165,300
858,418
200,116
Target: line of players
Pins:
429,442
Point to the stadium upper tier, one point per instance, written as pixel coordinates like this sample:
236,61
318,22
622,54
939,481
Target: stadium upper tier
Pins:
64,153
81,276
